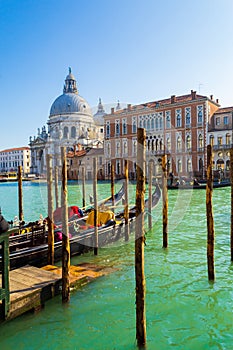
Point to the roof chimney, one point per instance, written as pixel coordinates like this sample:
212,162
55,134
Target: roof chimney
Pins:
211,97
112,110
173,98
129,107
217,100
193,94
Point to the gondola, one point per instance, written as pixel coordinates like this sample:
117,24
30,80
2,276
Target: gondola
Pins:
73,213
34,250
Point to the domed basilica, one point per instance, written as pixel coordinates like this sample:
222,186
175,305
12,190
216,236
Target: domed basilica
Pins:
70,124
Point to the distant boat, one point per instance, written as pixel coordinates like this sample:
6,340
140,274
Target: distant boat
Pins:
8,176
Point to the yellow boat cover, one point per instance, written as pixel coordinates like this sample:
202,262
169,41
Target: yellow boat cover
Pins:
103,217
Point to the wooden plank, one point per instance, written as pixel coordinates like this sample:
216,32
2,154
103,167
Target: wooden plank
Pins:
30,286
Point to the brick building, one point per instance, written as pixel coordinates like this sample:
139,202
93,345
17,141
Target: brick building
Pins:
176,126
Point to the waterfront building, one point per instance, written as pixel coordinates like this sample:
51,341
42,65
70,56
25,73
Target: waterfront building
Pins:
220,137
11,158
84,159
70,123
176,126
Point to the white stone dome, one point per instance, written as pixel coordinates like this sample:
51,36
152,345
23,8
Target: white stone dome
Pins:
70,103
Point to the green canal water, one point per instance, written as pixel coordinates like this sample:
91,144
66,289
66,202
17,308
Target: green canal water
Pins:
183,310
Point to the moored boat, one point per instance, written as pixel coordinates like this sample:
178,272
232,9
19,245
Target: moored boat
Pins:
32,248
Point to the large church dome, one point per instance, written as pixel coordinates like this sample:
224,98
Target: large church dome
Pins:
70,101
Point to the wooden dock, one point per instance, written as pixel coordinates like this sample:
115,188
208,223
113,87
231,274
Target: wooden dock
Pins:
31,287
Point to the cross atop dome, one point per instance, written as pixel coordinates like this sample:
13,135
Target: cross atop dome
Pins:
70,84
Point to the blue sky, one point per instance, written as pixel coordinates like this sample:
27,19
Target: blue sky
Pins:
131,50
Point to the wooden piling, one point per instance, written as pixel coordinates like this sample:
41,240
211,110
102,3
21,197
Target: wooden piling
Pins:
50,220
209,215
83,187
231,174
140,240
56,186
95,206
20,193
112,186
165,201
126,208
65,232
150,171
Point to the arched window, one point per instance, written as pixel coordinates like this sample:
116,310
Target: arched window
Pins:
65,132
179,165
200,141
153,145
168,143
73,132
160,123
200,164
212,140
125,148
189,166
228,139
134,125
178,143
188,143
108,129
148,145
152,123
160,145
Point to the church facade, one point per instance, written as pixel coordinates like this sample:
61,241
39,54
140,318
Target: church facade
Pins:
70,123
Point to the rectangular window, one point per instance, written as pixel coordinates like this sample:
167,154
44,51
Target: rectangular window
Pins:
188,116
168,119
225,120
117,127
199,114
134,125
217,121
124,127
107,129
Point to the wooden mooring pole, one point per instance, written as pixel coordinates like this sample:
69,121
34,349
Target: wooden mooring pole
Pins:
126,201
209,215
231,169
50,210
83,187
140,241
65,232
96,243
112,186
165,201
56,186
20,193
150,171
